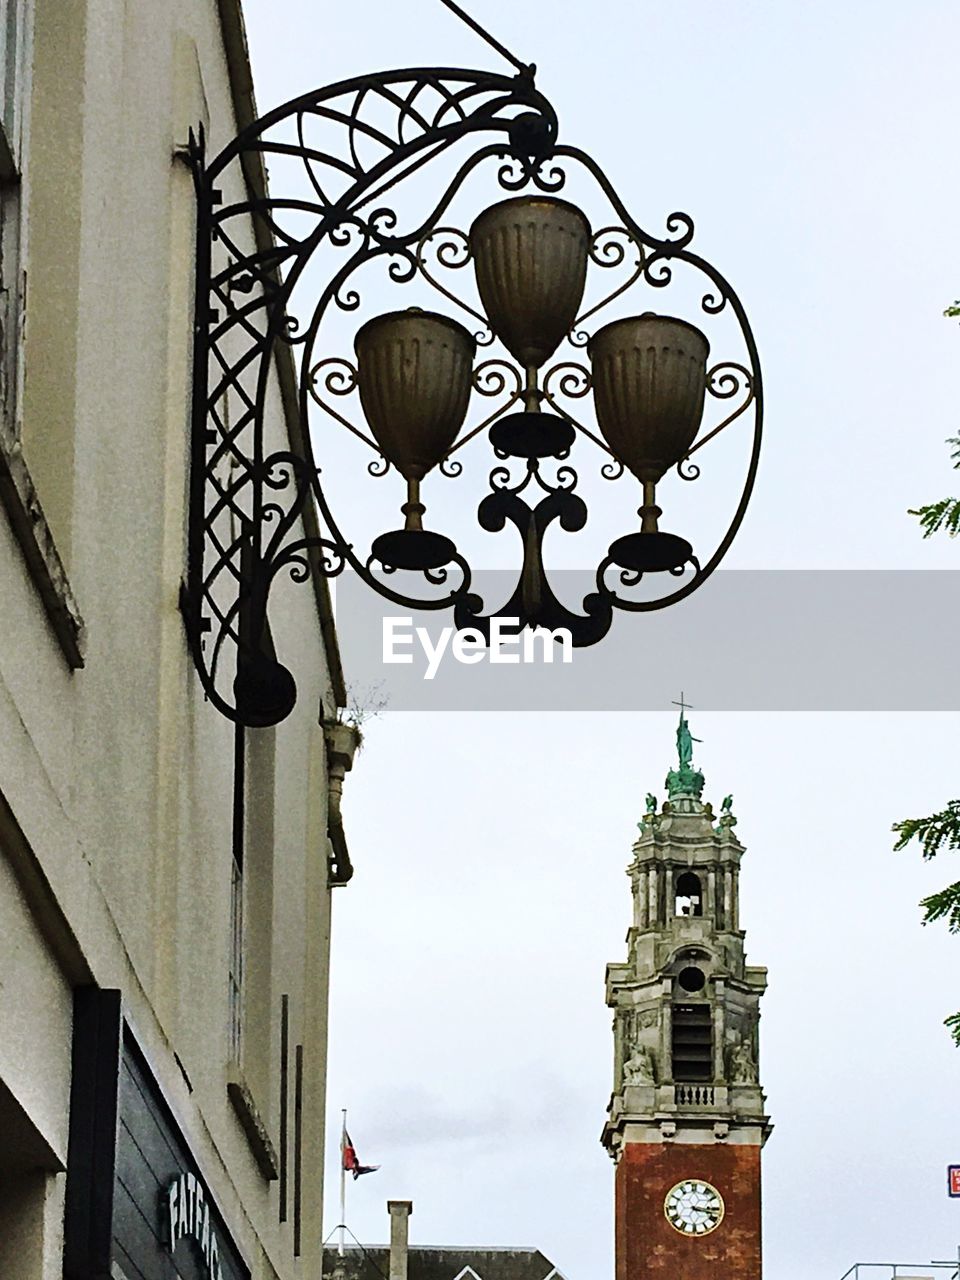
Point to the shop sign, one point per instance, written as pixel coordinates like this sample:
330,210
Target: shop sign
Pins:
188,1214
953,1179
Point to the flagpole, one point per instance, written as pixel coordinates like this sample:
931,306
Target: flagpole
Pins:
343,1182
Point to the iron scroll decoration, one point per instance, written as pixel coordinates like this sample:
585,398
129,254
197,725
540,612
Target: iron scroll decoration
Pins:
253,508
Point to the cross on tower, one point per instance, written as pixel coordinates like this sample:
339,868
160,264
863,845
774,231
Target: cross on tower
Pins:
684,706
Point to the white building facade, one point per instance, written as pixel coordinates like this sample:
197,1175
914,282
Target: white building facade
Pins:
165,878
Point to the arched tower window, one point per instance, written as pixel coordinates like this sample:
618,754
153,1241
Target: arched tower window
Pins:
689,895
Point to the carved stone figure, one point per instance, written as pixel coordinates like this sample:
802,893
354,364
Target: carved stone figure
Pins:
743,1069
638,1069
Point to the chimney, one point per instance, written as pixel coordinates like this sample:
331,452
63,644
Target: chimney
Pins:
400,1211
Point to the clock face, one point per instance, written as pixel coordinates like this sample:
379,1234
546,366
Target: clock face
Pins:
693,1207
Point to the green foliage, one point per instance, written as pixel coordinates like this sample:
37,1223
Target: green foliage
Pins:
933,832
939,830
945,904
944,514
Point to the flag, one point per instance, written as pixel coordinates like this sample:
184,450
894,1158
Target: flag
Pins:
350,1162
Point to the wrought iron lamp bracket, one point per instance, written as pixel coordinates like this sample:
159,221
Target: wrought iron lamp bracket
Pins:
246,499
257,505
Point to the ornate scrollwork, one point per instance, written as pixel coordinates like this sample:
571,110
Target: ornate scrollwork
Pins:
606,250
256,514
566,481
453,252
521,172
492,377
724,381
657,270
572,379
632,578
574,382
501,478
437,577
339,380
680,227
712,304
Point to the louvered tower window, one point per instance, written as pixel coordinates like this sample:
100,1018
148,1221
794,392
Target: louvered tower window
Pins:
692,1042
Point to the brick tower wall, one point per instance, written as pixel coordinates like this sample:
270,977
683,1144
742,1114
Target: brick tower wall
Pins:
648,1246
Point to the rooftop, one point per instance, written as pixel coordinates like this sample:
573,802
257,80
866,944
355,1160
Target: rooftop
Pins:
442,1262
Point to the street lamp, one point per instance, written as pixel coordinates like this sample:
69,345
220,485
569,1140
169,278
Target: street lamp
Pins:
417,371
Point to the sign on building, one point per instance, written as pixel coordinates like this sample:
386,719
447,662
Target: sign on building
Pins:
953,1180
189,1215
135,1191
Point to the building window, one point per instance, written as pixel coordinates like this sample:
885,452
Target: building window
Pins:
692,1042
41,76
692,978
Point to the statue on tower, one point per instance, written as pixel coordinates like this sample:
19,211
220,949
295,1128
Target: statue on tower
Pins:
686,780
685,741
638,1068
743,1066
727,821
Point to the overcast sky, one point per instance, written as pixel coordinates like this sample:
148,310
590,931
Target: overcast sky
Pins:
815,145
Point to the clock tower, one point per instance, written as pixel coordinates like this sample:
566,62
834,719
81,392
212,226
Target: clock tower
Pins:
686,1121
